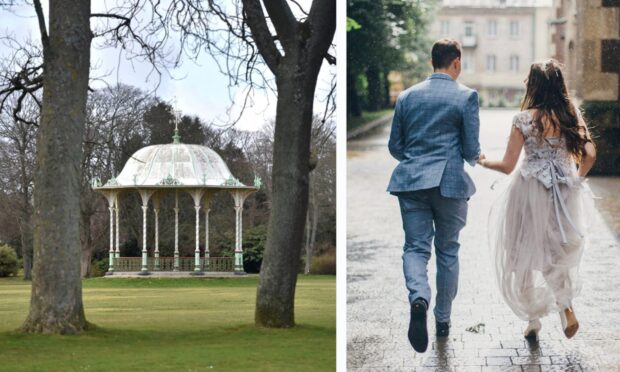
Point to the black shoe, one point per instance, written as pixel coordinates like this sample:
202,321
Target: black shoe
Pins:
443,329
418,335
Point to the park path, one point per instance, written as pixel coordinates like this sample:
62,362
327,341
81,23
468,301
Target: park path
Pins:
485,334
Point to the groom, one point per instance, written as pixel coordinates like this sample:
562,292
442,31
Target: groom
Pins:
434,131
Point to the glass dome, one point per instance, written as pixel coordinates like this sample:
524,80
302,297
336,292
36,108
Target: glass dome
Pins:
175,164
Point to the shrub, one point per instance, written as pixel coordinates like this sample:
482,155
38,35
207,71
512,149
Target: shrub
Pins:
254,241
324,264
98,268
8,261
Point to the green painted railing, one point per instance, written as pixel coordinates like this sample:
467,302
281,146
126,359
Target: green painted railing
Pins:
219,264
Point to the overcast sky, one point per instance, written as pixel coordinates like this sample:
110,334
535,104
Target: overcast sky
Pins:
200,89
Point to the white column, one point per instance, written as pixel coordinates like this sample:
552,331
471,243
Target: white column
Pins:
156,266
197,196
207,200
145,195
156,263
118,248
111,255
207,210
239,197
144,251
238,240
176,231
197,250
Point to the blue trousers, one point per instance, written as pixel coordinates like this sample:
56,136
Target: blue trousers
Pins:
426,215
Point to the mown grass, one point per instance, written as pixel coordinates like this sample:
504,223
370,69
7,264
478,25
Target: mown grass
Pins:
174,324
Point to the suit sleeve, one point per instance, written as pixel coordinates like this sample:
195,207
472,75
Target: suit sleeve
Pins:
471,130
396,143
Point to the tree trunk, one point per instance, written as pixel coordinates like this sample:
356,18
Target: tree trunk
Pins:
56,299
291,154
86,257
315,223
26,242
312,222
375,92
386,89
25,226
86,241
308,232
353,102
305,45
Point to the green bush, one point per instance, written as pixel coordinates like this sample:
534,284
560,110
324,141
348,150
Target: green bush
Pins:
324,264
254,241
98,268
8,261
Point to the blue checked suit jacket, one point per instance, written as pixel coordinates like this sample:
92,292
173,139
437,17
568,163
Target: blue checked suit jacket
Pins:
434,131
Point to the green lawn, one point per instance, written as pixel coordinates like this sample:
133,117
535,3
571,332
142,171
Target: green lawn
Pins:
175,324
367,117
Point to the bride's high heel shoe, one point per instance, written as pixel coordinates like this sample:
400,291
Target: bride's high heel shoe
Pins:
533,329
570,325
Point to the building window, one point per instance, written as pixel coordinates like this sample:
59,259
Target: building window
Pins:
469,28
468,62
514,63
514,29
445,28
491,63
492,29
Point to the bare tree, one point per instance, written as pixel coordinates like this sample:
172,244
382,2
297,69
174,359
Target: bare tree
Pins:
22,138
293,49
246,39
305,45
114,114
61,67
322,180
56,301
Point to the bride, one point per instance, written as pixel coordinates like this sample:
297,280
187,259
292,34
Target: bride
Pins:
538,228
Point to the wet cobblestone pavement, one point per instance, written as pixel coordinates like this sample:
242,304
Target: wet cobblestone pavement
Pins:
485,334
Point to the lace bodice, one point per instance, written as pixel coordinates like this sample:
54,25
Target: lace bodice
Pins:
545,158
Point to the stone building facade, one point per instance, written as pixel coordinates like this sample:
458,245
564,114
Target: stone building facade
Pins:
587,40
500,39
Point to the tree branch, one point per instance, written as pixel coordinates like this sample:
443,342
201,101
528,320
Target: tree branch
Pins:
322,23
330,59
255,18
284,22
109,15
41,18
301,9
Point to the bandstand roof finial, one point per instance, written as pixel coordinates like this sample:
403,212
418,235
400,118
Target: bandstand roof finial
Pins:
176,138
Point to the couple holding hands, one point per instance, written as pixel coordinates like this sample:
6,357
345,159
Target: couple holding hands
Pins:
537,228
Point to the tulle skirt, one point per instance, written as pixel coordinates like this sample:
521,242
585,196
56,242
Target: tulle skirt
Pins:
536,271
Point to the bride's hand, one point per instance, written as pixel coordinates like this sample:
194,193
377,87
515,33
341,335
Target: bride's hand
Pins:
481,159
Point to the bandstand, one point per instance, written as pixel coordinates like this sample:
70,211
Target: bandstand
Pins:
154,171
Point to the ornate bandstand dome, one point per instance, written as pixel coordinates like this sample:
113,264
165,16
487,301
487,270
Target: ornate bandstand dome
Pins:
154,171
176,164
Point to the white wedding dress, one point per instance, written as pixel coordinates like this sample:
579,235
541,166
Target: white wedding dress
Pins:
537,228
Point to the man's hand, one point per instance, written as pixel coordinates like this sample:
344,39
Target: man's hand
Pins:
482,159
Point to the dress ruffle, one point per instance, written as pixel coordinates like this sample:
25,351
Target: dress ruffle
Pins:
537,229
536,272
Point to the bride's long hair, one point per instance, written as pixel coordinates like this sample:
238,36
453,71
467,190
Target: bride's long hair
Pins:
546,92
